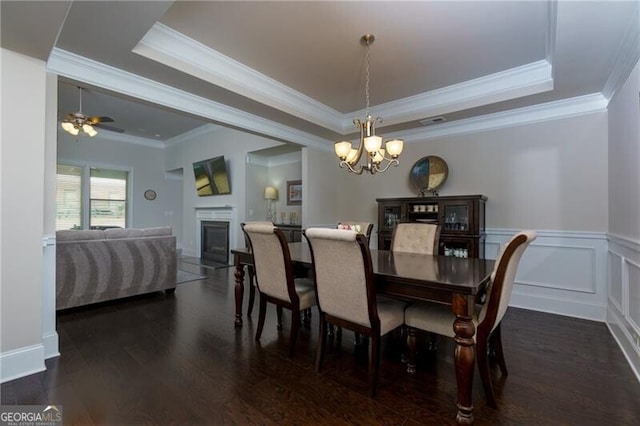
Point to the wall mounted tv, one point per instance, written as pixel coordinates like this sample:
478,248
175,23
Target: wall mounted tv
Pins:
211,177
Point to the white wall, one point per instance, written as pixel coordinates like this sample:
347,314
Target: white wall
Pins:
23,83
287,167
550,177
623,313
322,185
216,141
146,165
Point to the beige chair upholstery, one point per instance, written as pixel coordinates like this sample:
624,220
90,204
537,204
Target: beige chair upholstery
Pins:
274,277
251,271
439,318
346,293
364,228
416,237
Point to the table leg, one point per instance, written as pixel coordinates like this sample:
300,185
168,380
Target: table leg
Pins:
239,292
464,356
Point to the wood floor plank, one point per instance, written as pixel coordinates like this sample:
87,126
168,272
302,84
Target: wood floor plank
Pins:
177,359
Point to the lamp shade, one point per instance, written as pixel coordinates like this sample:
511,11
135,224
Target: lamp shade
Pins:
378,156
394,147
342,149
372,143
271,193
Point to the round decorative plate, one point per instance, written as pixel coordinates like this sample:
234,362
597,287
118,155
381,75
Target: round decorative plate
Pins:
150,194
428,174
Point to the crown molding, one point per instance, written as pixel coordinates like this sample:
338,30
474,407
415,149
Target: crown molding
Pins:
626,59
528,115
117,137
191,134
516,82
95,73
172,48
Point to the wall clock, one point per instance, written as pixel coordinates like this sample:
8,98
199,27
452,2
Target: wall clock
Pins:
150,194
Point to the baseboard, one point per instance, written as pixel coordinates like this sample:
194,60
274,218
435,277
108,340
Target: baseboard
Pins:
558,306
21,362
624,340
50,343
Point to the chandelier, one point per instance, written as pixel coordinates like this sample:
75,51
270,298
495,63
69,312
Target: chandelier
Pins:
378,159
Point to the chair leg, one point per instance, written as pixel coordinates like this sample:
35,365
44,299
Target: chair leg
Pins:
279,311
293,334
252,290
433,342
495,342
374,364
482,357
411,350
322,341
261,316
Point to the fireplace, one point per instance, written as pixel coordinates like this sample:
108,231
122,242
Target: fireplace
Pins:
214,237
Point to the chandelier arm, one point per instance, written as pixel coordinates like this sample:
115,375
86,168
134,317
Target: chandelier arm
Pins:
393,162
350,169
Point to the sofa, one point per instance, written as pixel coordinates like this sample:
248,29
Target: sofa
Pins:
99,265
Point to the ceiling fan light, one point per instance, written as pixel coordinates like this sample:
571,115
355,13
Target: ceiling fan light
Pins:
68,127
372,143
88,129
394,147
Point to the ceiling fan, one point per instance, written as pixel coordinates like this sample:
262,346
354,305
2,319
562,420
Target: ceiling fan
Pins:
75,122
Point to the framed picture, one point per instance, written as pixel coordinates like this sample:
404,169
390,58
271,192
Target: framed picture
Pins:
294,192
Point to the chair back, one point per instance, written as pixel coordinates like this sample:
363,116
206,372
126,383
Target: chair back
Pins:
343,275
502,279
364,228
416,237
272,260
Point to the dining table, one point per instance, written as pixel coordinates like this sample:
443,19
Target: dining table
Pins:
454,281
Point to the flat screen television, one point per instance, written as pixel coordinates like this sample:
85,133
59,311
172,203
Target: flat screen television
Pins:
211,177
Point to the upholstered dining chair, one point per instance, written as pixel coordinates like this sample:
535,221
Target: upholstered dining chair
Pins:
364,228
416,237
251,272
439,318
346,293
275,279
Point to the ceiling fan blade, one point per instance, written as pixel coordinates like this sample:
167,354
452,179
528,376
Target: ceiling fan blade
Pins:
110,128
95,120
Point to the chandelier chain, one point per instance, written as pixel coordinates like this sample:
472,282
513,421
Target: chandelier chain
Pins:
366,112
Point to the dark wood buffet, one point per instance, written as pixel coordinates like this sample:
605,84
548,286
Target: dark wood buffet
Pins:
461,219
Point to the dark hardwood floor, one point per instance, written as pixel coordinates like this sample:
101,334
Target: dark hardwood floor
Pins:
177,359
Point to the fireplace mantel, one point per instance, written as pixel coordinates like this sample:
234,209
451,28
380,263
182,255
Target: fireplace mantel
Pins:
216,213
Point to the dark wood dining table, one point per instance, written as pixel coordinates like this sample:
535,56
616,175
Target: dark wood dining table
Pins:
414,277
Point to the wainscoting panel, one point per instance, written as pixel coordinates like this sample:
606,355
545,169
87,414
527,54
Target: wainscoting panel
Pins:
623,309
562,272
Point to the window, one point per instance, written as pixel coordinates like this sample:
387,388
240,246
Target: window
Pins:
108,201
102,203
68,197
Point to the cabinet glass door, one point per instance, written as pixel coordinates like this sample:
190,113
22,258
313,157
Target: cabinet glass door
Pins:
391,216
457,217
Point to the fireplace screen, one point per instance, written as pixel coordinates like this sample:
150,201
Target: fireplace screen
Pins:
215,241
